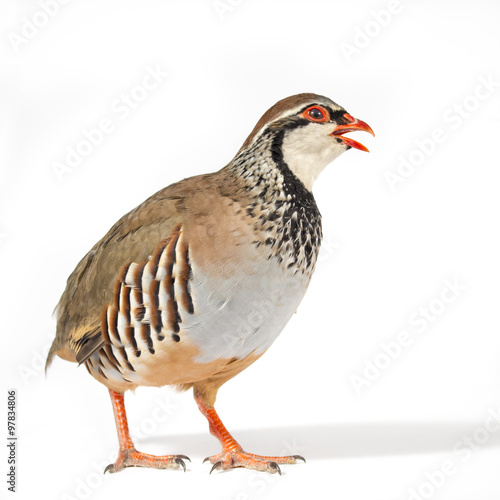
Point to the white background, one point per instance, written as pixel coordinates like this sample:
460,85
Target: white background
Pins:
386,253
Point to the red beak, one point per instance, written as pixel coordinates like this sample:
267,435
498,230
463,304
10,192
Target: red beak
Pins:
352,125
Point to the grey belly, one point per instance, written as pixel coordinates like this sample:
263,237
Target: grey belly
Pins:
233,320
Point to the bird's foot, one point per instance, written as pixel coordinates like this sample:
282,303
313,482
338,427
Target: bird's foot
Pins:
133,458
239,458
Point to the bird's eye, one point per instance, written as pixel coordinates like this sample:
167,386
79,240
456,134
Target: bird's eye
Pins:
316,114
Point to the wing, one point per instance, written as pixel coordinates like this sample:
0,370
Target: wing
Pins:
132,239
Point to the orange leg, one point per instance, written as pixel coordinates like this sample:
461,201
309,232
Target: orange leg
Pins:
232,455
128,456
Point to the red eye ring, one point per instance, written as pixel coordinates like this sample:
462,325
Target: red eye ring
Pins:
316,114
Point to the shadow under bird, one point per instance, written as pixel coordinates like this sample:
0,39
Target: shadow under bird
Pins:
170,294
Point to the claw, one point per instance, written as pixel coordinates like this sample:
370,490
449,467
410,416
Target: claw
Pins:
217,465
238,458
132,458
275,467
180,462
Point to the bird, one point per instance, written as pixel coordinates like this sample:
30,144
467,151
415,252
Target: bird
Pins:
194,285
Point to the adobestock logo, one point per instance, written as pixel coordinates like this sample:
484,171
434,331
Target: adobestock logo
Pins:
48,9
223,7
419,322
86,485
463,450
121,108
453,118
363,36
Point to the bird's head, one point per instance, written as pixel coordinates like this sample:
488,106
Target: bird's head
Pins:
307,133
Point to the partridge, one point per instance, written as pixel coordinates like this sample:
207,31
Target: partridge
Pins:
195,284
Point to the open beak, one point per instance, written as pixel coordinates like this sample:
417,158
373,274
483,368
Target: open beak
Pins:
352,125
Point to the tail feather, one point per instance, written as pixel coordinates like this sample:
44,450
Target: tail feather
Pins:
50,356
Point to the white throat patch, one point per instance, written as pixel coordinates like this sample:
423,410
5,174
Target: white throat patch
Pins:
308,150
